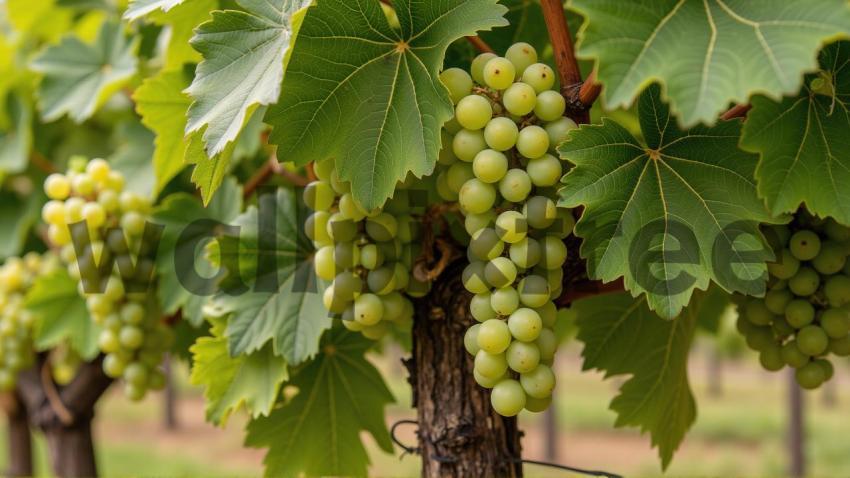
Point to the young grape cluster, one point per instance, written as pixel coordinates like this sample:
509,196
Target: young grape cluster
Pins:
367,256
805,315
499,163
94,221
16,349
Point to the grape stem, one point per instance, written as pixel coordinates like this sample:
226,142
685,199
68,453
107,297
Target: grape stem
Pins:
737,111
270,169
565,60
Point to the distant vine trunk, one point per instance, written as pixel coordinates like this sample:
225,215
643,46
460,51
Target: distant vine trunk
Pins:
20,440
459,433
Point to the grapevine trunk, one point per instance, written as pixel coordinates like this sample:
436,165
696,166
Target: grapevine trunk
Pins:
20,441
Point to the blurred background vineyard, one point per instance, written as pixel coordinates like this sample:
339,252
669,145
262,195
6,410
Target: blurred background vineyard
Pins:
741,429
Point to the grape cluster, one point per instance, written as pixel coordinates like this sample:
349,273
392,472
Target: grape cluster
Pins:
367,256
501,168
16,348
89,206
805,314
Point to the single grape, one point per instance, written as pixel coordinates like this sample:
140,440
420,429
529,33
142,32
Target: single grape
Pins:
53,213
490,166
525,324
756,312
381,281
533,291
836,322
489,365
458,82
777,300
382,227
537,405
522,55
828,368
550,106
501,133
57,187
805,245
548,314
515,185
316,227
344,255
470,339
368,309
840,347
837,290
547,343
812,340
319,196
499,73
486,382
473,112
782,328
554,252
504,301
558,131
500,272
760,338
532,142
466,144
511,226
394,306
480,307
507,398
540,76
333,302
836,231
538,382
475,222
519,99
323,169
525,253
810,376
476,196
494,336
477,66
131,337
459,173
540,212
771,359
544,171
805,282
341,229
136,374
486,244
831,259
474,279
522,356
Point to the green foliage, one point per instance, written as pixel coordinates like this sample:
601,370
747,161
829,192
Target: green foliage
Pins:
707,53
339,395
17,216
140,8
803,145
16,139
636,195
368,95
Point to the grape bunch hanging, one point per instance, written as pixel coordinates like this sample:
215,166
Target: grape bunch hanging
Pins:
89,206
366,255
805,315
499,163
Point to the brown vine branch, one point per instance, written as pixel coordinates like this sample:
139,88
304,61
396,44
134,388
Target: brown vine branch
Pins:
479,44
53,399
565,59
589,91
270,169
737,111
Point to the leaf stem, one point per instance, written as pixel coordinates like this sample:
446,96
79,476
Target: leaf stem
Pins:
480,44
270,169
737,111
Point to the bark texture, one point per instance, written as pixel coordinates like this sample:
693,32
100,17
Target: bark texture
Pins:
459,434
20,440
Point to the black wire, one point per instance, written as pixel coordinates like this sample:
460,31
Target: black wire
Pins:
415,451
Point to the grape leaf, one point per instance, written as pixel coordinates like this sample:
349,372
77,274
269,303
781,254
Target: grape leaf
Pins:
243,66
707,53
132,157
804,143
161,103
622,336
17,215
176,213
209,171
61,315
317,432
669,215
79,77
368,95
284,303
230,382
182,21
15,141
139,8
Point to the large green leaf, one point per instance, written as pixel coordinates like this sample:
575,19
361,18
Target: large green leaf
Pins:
369,96
15,141
79,77
181,22
317,433
61,315
161,103
176,213
288,309
243,66
668,215
252,381
622,336
209,171
707,53
804,143
140,8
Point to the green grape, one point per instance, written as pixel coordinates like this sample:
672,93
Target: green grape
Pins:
477,197
499,73
522,55
479,307
382,227
836,231
473,112
113,365
554,252
515,186
812,340
82,185
333,302
540,76
538,382
475,222
525,324
132,314
349,208
486,244
490,166
443,189
340,228
507,398
344,255
840,347
511,226
489,365
805,282
547,343
563,225
109,200
368,309
532,142
371,256
558,131
349,323
494,336
500,272
525,253
408,228
782,328
466,144
792,355
319,196
522,357
381,281
756,312
836,322
470,339
544,171
134,392
771,359
831,259
394,306
777,300
347,285
458,174
828,368
805,245
477,66
131,337
760,338
504,301
447,156
316,227
341,187
550,106
519,99
501,133
54,213
57,187
810,376
136,374
473,278
548,314
837,290
533,291
323,169
540,212
484,381
458,82
133,224
537,405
